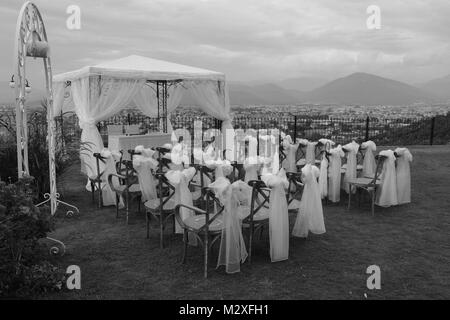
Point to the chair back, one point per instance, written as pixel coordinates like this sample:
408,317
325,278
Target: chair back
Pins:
165,190
99,159
360,156
301,152
259,199
379,168
125,169
295,185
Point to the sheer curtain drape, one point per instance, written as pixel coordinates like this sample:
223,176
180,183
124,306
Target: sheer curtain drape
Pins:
146,100
97,99
212,97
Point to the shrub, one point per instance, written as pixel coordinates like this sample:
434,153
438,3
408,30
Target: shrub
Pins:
23,269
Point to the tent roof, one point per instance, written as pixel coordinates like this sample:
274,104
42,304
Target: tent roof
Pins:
138,67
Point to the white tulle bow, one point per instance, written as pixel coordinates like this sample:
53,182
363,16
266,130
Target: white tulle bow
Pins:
232,246
278,215
180,180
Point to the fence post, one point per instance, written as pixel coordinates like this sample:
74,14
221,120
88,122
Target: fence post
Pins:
367,128
129,119
295,129
433,120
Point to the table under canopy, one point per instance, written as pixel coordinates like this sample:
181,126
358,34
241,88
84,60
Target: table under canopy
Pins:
155,87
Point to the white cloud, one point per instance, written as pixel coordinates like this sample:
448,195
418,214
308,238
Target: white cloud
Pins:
250,39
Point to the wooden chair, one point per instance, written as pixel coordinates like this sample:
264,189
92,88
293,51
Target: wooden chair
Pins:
370,185
97,180
258,216
206,225
205,173
295,187
127,187
162,207
359,159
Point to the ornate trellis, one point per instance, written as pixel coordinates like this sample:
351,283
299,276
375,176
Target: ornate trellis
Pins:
31,41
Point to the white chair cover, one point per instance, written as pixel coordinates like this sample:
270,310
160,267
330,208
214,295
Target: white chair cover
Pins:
403,172
146,152
351,170
179,156
387,192
278,215
251,167
109,168
323,177
327,142
232,250
267,145
180,180
369,163
334,174
311,152
222,168
290,150
143,166
310,215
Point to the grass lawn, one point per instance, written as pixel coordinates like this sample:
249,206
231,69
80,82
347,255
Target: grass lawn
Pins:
410,243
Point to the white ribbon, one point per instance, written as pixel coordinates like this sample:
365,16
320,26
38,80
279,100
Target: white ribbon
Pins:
109,168
180,180
278,215
310,215
232,246
351,168
143,166
369,163
289,163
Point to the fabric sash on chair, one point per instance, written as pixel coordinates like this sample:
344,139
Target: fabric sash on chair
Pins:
387,192
403,172
351,170
289,164
278,215
143,166
369,163
311,152
109,168
323,177
232,250
180,181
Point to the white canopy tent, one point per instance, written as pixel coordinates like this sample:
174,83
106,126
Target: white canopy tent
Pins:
156,87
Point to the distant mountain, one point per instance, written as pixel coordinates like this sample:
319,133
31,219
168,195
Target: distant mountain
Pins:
302,84
439,87
268,94
367,89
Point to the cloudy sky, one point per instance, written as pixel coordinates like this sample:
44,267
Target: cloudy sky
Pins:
249,40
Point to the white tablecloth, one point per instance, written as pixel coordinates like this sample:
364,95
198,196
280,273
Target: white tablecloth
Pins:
125,143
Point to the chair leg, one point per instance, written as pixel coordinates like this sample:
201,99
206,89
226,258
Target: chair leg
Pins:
185,245
250,242
373,202
100,197
359,194
127,196
349,199
206,249
117,205
161,231
93,192
147,222
139,204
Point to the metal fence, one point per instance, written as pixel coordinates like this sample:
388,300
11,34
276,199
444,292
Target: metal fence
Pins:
383,131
